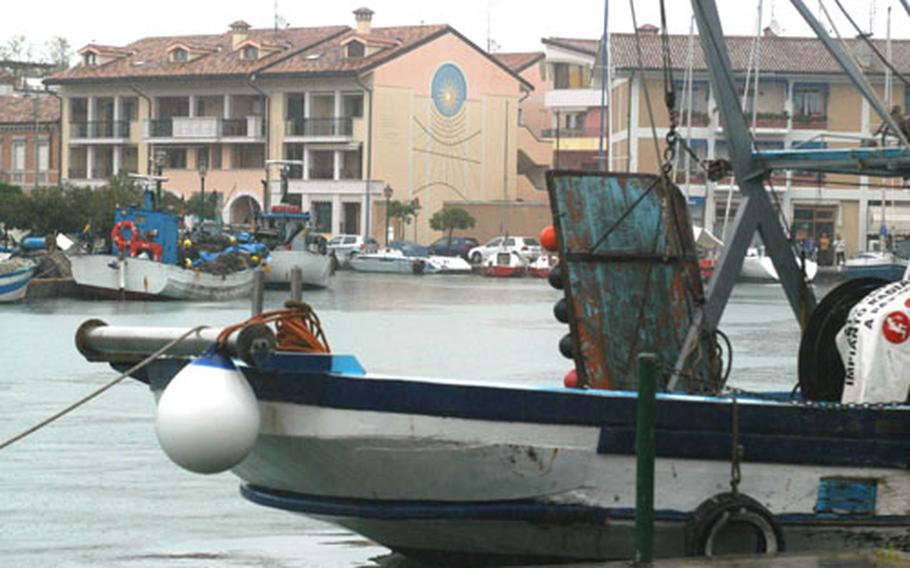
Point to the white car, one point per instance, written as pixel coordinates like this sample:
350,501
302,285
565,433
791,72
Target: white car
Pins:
343,247
527,247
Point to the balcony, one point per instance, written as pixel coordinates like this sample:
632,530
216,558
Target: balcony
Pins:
206,128
319,127
107,129
572,98
810,121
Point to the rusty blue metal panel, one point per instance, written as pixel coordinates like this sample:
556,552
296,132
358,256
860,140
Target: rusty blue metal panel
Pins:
630,274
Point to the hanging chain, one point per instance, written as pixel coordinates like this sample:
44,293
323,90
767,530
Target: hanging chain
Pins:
736,452
672,137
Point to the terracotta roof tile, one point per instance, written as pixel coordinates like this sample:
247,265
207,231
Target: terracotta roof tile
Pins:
586,46
15,109
518,62
329,57
149,57
781,54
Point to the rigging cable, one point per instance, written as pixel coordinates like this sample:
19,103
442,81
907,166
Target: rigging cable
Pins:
868,41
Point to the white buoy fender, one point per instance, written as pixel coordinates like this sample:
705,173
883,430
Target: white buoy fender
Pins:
208,416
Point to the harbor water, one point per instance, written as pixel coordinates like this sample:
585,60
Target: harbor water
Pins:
94,489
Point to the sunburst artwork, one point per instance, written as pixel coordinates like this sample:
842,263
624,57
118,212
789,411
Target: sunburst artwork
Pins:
446,153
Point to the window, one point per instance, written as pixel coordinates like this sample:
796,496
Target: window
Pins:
18,175
494,242
352,105
355,49
128,108
44,160
90,58
202,158
809,100
294,152
571,76
322,164
248,156
179,55
250,52
175,158
350,164
296,105
322,215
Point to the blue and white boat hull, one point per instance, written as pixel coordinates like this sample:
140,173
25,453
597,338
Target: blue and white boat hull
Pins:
14,285
447,468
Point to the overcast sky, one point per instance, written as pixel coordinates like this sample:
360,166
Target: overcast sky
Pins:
515,25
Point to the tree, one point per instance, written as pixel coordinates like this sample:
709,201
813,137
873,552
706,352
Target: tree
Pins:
451,218
402,213
17,49
58,51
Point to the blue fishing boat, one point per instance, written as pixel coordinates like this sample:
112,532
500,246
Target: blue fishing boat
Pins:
14,279
476,472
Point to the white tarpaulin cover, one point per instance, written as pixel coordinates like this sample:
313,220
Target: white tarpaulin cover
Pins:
874,345
704,238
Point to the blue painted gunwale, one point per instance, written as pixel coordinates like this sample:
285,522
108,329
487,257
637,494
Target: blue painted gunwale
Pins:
519,510
15,280
688,426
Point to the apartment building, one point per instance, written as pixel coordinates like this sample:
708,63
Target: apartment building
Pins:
573,102
29,139
355,110
803,101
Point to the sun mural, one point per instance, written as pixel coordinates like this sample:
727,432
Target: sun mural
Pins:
445,153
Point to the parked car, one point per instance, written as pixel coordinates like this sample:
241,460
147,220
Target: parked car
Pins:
526,247
410,248
344,247
456,246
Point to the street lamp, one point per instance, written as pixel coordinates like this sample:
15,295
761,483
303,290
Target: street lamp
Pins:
387,192
160,159
202,167
415,207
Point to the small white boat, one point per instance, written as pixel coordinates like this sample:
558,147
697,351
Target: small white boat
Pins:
388,261
436,264
542,265
876,264
760,268
14,278
106,275
505,264
315,268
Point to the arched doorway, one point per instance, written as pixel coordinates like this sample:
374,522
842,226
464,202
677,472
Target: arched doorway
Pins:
243,209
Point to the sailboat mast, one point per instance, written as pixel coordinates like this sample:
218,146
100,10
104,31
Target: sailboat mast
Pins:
604,87
690,62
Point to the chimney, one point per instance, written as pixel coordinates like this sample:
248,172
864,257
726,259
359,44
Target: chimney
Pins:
239,32
648,29
363,16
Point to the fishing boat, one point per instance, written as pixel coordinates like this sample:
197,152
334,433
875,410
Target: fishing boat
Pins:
476,472
293,245
875,264
15,275
541,266
504,264
389,261
145,263
758,267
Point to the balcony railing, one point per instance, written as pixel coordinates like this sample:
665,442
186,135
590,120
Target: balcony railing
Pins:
813,121
205,127
100,129
569,133
103,172
320,126
322,173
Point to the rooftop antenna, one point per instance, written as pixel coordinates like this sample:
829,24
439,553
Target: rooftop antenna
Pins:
276,14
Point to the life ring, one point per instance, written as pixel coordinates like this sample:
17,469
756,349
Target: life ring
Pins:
705,527
117,234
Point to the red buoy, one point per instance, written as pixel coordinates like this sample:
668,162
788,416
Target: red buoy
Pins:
570,381
548,238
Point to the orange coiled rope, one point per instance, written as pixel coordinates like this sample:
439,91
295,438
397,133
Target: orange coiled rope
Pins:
297,328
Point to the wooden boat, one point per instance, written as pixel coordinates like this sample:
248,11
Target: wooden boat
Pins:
504,264
108,276
14,279
292,245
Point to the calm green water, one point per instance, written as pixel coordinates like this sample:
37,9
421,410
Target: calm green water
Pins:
94,489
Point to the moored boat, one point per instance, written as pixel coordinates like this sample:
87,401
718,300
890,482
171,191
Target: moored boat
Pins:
758,267
15,275
504,264
874,264
541,266
292,246
389,261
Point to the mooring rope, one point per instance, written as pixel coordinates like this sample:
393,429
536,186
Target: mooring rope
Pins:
99,391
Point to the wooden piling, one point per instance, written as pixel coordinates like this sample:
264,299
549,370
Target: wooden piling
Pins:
258,291
297,284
